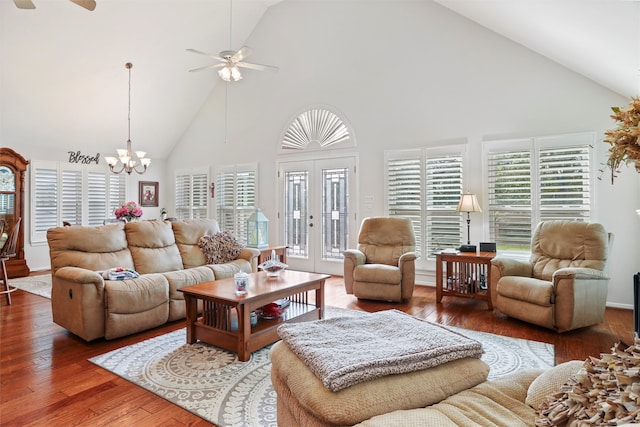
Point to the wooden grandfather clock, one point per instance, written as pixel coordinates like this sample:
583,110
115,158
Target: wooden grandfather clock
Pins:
12,170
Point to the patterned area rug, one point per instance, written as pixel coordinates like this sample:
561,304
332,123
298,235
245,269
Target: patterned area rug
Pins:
39,285
213,384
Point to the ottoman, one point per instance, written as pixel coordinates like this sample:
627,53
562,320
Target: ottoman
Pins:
303,400
307,392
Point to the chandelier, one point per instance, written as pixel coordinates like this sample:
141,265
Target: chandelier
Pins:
125,155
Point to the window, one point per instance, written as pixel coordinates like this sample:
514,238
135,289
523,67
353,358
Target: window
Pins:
533,180
236,198
78,194
425,185
191,195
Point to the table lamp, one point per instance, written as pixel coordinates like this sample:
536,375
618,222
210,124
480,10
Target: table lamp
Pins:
468,203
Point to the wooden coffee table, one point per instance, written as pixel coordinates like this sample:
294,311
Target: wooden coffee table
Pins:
219,300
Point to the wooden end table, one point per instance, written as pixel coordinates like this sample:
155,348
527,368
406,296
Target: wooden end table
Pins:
464,274
219,299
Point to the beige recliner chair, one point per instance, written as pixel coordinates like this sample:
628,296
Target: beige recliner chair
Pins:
564,285
383,266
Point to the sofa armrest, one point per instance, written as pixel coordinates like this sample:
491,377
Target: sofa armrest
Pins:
511,267
77,301
406,257
578,273
80,276
406,264
251,255
352,258
580,297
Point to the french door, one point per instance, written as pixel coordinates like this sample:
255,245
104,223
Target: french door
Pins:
316,212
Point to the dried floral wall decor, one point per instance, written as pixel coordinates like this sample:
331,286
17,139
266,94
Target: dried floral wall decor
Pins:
625,139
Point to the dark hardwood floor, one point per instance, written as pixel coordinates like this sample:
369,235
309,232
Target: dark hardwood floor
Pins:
46,380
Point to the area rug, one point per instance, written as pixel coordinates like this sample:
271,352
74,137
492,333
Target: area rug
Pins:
38,285
213,384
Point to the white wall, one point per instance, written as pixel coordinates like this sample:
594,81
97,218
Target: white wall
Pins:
407,74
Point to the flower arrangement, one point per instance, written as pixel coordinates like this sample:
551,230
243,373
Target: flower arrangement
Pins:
625,139
129,211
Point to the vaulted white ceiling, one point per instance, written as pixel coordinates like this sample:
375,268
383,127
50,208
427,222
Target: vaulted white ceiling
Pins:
63,80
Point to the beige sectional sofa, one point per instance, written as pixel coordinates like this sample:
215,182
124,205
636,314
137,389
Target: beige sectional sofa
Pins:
165,254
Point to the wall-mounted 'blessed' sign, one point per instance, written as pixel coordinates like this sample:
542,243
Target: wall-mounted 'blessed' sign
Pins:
77,157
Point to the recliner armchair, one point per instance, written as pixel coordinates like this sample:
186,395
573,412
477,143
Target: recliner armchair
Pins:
383,265
564,285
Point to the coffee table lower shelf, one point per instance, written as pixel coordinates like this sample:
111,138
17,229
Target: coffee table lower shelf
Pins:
261,335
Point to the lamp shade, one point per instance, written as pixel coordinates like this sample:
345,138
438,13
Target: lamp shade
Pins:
468,203
258,230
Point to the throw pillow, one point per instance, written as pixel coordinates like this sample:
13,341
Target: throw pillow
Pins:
550,381
220,248
603,392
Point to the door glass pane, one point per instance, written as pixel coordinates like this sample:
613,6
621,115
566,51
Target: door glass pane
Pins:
296,189
334,213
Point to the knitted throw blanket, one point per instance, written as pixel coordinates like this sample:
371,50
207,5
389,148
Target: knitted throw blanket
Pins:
345,351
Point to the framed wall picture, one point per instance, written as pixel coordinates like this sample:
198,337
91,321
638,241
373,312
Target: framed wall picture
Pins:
148,193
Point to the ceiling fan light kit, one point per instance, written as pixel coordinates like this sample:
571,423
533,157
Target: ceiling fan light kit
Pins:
125,157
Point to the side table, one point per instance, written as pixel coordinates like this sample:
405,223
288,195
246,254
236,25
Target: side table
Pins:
464,274
265,253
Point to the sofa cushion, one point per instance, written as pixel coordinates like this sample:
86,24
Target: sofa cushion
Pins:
550,382
220,248
92,248
539,292
297,385
179,279
135,305
559,244
377,273
153,247
187,233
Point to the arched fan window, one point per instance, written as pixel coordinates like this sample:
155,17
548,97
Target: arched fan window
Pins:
317,128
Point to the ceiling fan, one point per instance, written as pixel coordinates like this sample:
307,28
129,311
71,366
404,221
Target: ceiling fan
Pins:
28,4
231,61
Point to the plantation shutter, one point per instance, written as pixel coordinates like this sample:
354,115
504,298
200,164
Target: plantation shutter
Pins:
45,202
537,179
191,195
425,185
199,189
236,198
510,216
443,189
78,194
117,193
564,183
96,196
404,190
72,191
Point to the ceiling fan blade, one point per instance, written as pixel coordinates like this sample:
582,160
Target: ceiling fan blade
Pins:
24,4
206,67
241,54
87,4
210,55
260,67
